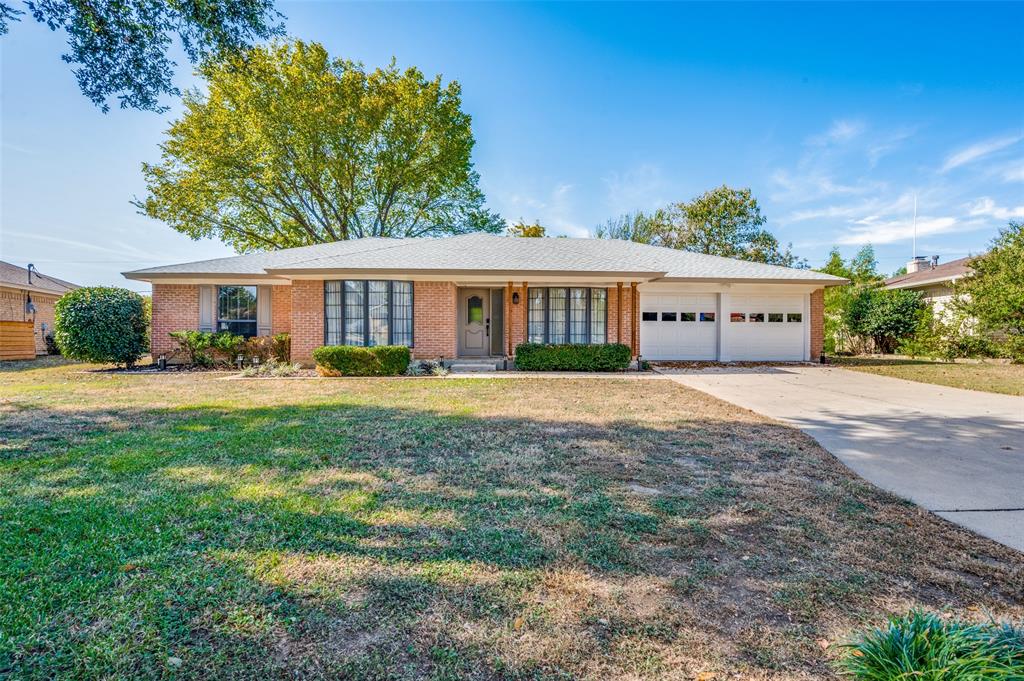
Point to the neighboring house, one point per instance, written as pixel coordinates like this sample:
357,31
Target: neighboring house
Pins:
932,280
30,297
480,295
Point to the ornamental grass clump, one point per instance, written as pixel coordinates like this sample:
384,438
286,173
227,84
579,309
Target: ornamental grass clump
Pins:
923,647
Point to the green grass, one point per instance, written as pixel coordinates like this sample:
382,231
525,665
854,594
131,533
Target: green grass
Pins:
186,526
1006,379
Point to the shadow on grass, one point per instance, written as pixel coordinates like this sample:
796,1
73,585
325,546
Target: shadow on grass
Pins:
365,541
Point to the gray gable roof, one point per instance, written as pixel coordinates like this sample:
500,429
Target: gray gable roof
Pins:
17,277
488,253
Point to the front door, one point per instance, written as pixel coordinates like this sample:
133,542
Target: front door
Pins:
474,322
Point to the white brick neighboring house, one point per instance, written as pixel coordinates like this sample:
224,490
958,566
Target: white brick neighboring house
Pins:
932,280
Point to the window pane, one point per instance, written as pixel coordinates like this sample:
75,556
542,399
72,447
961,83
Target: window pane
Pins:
707,316
578,315
598,315
332,312
378,292
475,310
649,316
536,315
236,310
794,317
668,316
401,312
687,316
355,296
738,317
756,317
775,316
557,315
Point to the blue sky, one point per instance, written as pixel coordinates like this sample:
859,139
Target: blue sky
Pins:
835,115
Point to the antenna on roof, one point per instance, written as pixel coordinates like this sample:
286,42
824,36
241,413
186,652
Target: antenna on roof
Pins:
915,226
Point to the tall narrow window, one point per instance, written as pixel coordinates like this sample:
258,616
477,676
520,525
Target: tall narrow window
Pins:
536,315
401,313
236,310
332,313
557,315
377,297
578,315
598,315
355,313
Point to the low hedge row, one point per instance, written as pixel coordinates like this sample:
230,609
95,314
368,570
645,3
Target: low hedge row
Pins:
541,357
350,360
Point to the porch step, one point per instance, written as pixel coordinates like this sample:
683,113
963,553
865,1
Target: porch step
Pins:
470,367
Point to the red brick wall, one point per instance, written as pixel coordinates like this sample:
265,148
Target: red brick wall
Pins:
434,319
307,324
280,309
175,308
516,323
817,324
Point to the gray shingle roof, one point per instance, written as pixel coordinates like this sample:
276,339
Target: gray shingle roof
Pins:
17,277
488,253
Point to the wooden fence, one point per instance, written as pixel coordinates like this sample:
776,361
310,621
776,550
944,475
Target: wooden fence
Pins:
17,340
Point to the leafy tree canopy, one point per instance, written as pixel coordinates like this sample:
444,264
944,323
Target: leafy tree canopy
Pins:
723,221
885,316
637,226
290,147
522,229
994,292
119,49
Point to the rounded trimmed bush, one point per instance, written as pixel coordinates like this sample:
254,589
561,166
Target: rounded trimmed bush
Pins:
353,360
101,324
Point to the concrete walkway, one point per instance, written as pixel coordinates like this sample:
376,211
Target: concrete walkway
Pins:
958,453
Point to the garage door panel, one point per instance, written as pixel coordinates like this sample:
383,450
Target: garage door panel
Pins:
768,340
666,339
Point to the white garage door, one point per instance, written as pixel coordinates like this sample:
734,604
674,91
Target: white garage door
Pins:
678,326
766,328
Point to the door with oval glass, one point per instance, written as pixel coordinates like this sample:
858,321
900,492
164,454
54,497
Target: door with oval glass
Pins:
474,322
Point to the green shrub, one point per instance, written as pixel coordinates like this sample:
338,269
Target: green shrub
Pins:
923,646
281,347
195,346
1012,347
351,360
101,324
541,357
884,316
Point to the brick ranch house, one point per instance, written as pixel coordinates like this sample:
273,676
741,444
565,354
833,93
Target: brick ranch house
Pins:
30,297
479,295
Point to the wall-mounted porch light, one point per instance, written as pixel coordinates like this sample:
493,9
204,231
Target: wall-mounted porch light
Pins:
515,298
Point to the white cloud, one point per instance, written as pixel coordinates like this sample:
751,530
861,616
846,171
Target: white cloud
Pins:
815,185
877,230
887,144
979,150
986,207
840,131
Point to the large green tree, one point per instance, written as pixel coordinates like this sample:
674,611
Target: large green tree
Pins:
862,271
120,48
723,221
637,226
727,222
289,147
993,293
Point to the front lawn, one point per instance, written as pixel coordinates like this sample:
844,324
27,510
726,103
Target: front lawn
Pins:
186,526
1007,379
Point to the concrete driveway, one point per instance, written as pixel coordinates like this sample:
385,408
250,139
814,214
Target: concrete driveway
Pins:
958,453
